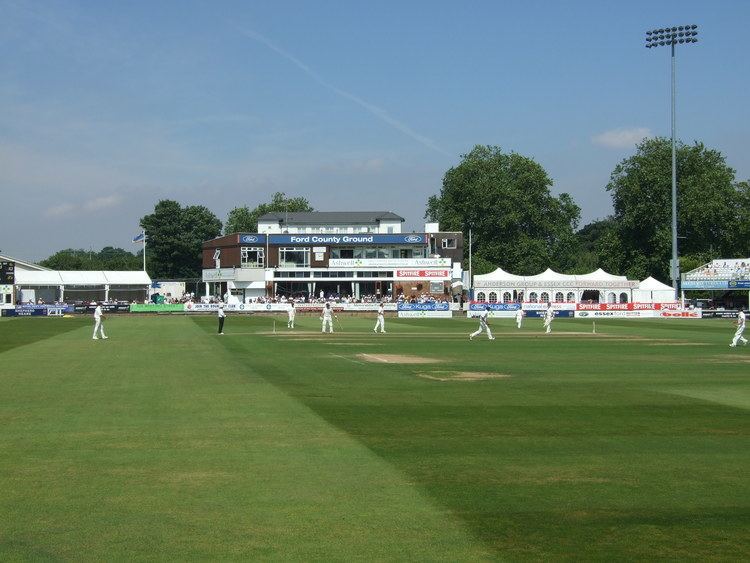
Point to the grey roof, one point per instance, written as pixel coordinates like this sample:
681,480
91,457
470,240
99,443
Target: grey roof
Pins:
30,265
330,217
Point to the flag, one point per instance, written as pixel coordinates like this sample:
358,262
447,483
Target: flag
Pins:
140,237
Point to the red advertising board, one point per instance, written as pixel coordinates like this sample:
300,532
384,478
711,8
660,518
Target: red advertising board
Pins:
412,274
626,306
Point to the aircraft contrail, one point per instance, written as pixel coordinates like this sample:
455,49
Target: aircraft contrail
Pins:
373,109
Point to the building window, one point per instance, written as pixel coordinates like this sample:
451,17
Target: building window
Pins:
294,257
252,257
544,298
449,243
492,297
571,297
611,298
418,252
507,297
339,252
623,298
533,297
390,230
559,297
480,297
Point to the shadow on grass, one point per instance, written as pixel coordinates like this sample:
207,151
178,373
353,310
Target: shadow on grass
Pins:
17,332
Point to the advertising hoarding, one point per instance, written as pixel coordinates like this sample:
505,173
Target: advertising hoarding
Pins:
389,263
422,274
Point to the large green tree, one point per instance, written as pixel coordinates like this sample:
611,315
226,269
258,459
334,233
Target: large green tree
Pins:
505,199
109,258
709,215
175,235
244,219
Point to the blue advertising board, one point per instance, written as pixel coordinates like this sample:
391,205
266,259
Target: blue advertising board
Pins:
302,239
715,284
37,310
495,306
704,284
437,306
558,314
252,239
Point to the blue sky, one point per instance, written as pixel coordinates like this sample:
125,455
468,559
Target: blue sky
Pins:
107,107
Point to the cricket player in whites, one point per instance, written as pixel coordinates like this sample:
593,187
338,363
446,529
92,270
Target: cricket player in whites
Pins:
292,312
483,325
549,316
740,329
519,317
381,319
327,318
99,322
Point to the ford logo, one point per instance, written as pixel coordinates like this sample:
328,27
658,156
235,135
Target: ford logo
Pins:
249,238
583,314
413,238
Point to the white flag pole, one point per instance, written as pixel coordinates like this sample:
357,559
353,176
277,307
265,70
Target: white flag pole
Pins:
144,251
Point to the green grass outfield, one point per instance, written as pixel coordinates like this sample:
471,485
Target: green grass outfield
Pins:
169,442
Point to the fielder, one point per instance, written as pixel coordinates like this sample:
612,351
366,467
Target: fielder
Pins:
327,318
292,312
99,323
519,318
483,325
381,319
740,329
549,316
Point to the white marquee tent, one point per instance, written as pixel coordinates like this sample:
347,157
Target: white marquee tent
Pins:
653,291
598,286
63,285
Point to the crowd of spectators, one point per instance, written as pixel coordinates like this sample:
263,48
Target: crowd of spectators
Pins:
336,298
722,270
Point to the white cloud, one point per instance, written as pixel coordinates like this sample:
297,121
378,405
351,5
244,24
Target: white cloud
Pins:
622,137
100,203
95,204
60,210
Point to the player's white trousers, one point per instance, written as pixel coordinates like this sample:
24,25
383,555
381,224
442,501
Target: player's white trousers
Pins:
99,327
548,326
328,322
518,324
738,336
380,324
480,329
290,322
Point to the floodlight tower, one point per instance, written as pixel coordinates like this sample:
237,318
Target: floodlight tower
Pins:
672,36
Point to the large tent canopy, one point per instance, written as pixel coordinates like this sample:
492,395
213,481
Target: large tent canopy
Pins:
80,278
550,277
600,286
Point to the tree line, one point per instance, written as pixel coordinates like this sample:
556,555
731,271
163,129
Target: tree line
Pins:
517,224
505,199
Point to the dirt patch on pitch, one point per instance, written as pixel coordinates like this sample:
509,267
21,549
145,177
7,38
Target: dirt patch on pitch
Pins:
352,344
462,375
396,359
729,360
678,344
